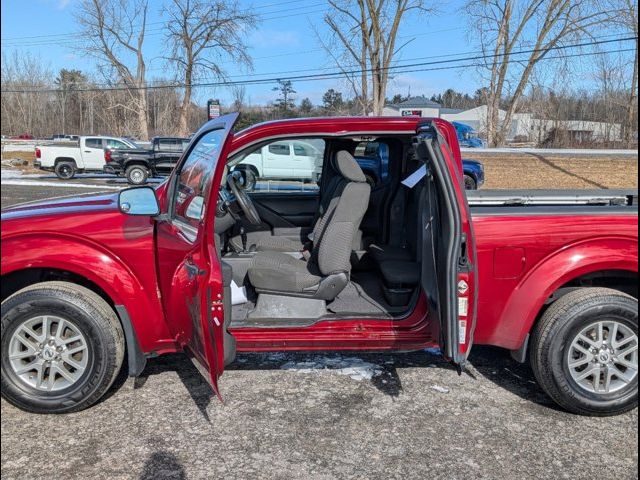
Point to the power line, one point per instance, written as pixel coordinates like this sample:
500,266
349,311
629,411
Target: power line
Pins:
406,68
64,37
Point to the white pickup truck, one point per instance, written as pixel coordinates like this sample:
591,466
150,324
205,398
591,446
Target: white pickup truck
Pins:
286,160
87,155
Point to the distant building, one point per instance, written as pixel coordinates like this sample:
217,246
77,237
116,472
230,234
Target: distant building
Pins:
524,127
414,106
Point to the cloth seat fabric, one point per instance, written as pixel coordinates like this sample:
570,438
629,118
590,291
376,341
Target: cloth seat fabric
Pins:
333,237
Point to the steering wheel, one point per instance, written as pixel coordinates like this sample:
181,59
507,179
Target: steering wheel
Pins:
243,199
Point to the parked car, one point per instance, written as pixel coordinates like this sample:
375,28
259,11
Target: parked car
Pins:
473,174
86,156
138,164
467,136
287,160
23,136
550,276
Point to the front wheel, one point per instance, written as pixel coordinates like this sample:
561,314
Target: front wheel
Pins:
584,352
137,174
62,348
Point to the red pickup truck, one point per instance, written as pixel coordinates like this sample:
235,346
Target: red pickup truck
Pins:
214,262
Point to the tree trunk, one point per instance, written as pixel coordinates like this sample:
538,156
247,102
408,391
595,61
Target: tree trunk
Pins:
632,105
143,126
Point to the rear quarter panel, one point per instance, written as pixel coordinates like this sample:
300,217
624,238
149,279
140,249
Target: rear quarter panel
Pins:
50,154
524,259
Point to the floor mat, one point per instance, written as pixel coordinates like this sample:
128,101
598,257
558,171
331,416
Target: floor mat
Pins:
363,296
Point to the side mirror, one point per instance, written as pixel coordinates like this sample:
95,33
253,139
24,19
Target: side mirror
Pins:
138,201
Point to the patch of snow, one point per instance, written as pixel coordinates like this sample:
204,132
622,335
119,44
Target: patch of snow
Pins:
433,351
440,389
10,173
353,367
35,183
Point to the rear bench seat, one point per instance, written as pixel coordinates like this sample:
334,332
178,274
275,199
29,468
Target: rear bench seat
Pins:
399,280
399,265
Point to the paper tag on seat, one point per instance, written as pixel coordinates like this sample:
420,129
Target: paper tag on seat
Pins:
413,179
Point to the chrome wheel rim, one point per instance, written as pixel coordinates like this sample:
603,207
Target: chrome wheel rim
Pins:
48,353
603,357
137,176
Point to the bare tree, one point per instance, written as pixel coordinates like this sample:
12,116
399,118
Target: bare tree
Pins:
537,26
202,33
628,19
239,93
114,32
364,35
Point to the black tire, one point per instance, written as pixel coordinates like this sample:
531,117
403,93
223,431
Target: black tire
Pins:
97,322
552,339
470,183
137,174
65,170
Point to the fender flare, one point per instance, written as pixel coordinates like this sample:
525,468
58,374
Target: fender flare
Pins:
101,267
554,271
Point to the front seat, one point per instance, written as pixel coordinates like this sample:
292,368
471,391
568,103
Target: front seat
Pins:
325,271
276,243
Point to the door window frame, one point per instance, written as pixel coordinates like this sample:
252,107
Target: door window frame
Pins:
192,234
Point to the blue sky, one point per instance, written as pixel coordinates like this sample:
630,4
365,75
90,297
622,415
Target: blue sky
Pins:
284,41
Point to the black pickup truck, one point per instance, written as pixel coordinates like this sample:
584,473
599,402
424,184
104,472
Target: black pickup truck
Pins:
138,164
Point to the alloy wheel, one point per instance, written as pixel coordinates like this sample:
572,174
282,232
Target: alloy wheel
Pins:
48,353
603,357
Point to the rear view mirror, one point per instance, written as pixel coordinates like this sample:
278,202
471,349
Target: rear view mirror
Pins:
138,201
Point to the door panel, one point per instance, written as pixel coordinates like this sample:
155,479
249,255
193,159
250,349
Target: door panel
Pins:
449,247
189,271
93,157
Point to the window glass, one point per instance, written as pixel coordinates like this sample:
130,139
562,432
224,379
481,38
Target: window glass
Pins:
373,158
116,144
93,142
274,170
195,178
279,148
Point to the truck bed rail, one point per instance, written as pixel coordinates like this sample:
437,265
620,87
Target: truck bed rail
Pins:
496,198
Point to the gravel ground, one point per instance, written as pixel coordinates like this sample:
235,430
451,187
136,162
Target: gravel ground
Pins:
326,416
415,418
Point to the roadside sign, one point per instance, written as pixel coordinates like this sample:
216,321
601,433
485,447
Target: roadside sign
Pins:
213,109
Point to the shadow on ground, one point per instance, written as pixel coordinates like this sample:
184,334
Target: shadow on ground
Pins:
492,363
163,465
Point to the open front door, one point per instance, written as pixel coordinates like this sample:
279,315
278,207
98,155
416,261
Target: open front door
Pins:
194,284
449,267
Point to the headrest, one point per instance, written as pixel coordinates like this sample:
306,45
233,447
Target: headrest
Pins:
348,167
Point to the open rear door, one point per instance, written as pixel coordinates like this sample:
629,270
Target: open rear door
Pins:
194,283
448,263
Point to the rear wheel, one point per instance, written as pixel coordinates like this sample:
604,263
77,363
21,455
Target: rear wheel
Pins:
62,348
65,170
584,352
137,174
470,183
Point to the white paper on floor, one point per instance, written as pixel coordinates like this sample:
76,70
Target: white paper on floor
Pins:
238,294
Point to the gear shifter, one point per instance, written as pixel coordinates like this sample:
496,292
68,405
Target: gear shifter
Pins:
243,237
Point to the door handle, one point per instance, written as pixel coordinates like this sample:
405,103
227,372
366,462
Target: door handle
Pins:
87,151
193,270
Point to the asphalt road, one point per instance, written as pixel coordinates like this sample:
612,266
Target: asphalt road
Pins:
320,416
